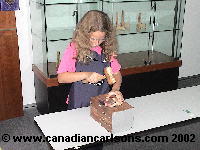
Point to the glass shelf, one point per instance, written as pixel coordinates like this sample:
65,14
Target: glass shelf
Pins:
127,1
59,34
66,34
124,1
149,28
133,59
127,60
53,2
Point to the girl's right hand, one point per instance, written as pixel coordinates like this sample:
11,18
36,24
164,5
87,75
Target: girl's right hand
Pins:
93,77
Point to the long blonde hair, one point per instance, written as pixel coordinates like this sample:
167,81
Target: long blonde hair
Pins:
93,21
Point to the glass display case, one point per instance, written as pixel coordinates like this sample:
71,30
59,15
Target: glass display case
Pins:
149,34
148,31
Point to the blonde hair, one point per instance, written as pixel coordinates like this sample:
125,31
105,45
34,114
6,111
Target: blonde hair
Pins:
93,21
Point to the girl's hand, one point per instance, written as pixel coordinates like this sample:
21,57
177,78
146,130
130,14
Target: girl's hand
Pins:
118,94
93,77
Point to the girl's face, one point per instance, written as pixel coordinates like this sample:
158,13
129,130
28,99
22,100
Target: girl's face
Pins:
96,38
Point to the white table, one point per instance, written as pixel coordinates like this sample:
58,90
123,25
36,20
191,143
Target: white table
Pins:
149,112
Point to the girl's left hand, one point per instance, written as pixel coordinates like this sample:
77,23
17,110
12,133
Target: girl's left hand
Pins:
118,94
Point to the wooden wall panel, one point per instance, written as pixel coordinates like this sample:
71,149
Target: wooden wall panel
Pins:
7,19
11,104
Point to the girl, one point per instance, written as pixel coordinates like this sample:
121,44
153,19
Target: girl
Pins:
93,48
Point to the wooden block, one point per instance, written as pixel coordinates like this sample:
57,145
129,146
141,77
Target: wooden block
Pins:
113,119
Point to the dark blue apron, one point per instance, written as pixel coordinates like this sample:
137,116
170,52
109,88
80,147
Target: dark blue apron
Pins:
80,93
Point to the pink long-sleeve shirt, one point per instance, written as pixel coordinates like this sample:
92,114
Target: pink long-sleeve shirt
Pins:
67,63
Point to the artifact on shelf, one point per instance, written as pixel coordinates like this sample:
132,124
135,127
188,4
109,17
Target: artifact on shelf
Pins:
122,25
114,118
140,25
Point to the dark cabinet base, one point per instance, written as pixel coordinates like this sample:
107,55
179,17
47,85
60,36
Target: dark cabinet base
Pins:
50,99
149,82
53,99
